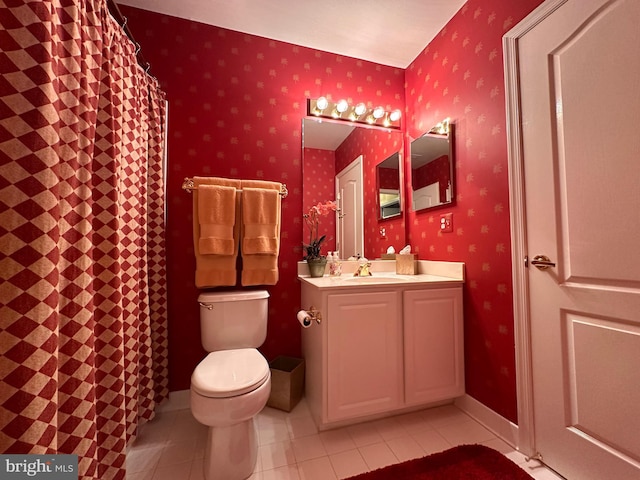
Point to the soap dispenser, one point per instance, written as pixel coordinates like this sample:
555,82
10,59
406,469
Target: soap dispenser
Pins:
335,267
330,260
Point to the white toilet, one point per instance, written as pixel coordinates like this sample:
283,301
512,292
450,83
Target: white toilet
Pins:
232,384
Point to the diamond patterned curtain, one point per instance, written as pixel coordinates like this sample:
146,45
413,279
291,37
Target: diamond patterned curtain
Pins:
83,336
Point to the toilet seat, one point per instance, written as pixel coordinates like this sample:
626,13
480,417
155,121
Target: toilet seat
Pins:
229,373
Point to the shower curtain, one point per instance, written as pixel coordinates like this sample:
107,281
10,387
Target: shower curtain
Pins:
83,332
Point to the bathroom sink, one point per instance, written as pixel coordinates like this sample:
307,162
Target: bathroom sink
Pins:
376,279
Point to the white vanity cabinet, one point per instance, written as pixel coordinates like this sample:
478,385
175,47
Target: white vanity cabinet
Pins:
381,349
364,354
433,345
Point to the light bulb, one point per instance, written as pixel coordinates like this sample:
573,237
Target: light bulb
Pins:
322,103
395,115
378,112
360,109
342,106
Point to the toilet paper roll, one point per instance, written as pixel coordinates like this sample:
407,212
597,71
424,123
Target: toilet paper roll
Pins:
304,319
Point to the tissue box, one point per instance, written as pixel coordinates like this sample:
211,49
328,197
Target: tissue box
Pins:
388,256
406,264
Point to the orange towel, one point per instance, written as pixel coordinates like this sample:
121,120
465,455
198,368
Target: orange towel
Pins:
260,232
215,270
217,217
260,221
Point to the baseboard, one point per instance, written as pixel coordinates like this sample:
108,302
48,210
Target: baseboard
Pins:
503,428
178,400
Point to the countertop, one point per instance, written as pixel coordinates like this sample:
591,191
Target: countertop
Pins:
347,280
431,274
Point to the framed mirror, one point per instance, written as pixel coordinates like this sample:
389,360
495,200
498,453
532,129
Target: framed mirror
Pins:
432,167
329,149
389,180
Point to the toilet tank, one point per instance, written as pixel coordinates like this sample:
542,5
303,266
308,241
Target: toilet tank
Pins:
233,319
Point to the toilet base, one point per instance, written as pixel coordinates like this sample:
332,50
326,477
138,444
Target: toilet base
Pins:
231,451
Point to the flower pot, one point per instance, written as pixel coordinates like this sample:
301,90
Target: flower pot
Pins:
316,266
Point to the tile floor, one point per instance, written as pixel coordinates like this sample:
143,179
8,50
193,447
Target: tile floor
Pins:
171,447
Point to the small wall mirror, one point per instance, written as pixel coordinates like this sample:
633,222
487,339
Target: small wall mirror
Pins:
388,178
432,167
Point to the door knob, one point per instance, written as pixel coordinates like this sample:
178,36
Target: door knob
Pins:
542,262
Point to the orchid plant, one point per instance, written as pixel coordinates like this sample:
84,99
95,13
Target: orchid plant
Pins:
312,219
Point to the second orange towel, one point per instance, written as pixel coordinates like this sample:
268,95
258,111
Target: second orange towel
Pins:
260,232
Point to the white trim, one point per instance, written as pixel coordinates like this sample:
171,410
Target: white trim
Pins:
178,400
517,207
503,428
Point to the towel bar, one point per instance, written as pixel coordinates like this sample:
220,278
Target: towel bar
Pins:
189,186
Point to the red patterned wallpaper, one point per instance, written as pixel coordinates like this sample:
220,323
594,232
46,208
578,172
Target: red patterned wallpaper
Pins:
388,178
236,104
437,170
460,75
319,170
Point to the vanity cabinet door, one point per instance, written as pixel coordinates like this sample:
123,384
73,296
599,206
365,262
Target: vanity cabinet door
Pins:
433,345
364,356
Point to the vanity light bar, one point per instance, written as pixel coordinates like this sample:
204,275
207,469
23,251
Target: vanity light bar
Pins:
441,128
360,113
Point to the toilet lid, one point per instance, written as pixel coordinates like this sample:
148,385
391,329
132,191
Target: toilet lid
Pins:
228,373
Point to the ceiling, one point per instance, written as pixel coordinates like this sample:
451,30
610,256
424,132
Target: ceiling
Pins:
380,31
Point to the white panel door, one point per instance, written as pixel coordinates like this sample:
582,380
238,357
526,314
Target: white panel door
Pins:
579,73
349,221
364,354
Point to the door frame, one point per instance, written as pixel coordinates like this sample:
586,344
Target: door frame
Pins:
517,207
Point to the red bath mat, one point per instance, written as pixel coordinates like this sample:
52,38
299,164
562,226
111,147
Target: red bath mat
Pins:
465,462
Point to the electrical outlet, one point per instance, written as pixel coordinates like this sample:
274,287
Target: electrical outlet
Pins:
446,223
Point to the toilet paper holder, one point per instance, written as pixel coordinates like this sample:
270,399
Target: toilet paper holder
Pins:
314,314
